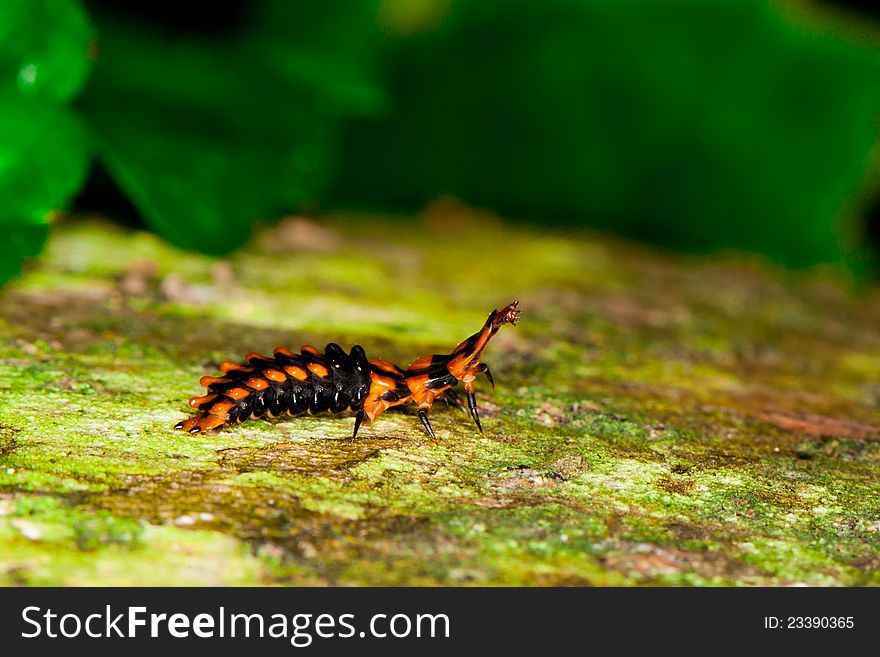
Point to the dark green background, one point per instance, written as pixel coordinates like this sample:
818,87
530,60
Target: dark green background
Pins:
695,125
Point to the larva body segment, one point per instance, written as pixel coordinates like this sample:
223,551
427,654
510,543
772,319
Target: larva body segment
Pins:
286,383
335,381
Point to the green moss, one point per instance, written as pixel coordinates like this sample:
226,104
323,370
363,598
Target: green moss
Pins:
657,421
49,541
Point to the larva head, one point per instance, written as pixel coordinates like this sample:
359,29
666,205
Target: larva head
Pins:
465,358
507,315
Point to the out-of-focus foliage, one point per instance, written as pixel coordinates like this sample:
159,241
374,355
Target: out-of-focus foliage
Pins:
44,148
207,137
689,123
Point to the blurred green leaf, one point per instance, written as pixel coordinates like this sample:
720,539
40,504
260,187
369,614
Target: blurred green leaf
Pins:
43,159
331,47
692,124
20,240
203,185
208,137
43,47
44,148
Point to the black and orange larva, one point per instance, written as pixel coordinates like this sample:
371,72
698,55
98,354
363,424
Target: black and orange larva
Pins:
312,382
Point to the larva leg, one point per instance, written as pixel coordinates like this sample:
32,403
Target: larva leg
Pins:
357,423
482,367
423,416
452,398
472,405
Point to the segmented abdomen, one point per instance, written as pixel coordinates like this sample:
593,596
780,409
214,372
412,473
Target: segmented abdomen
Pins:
308,382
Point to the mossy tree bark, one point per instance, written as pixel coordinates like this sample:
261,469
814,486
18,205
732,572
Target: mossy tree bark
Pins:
658,419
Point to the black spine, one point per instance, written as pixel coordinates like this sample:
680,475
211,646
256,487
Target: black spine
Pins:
344,387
